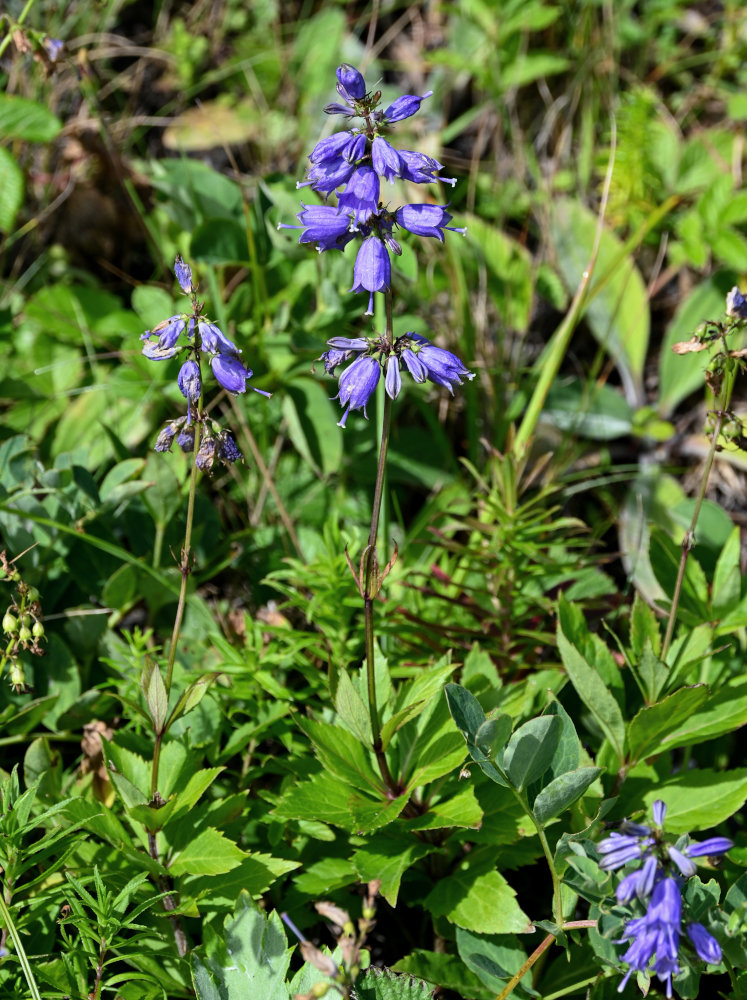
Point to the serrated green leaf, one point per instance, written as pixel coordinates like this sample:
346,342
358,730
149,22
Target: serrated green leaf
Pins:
563,791
209,853
650,726
644,627
383,984
387,858
343,755
699,800
477,899
724,712
351,710
249,959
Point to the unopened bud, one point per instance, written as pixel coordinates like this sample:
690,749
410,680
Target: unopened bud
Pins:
10,623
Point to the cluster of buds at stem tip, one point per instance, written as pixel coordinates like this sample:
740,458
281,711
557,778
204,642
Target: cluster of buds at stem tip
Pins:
349,939
22,624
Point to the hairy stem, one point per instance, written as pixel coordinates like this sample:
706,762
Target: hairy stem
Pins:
689,540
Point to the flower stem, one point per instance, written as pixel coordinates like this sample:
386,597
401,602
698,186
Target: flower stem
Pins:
689,540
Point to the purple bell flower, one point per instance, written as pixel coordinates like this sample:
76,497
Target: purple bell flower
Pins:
639,883
619,848
709,848
361,195
385,159
230,372
183,274
214,341
425,220
445,368
655,936
373,269
705,944
356,385
339,109
327,176
414,366
351,85
421,169
404,107
393,380
337,146
323,225
685,865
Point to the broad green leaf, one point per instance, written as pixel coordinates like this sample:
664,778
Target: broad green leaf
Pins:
468,717
11,190
249,959
563,791
618,312
196,786
255,875
324,876
700,800
588,410
220,241
209,853
312,425
567,754
651,726
644,627
458,809
495,960
477,900
132,766
594,694
652,675
724,712
21,118
492,736
530,750
510,263
387,858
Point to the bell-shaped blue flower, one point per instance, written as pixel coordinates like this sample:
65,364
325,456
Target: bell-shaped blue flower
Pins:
385,159
361,195
425,220
373,269
705,944
445,368
357,383
214,340
393,380
190,384
404,107
351,85
323,225
183,274
230,372
421,169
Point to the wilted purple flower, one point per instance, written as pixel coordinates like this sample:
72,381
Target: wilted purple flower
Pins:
705,944
421,169
445,368
183,274
53,47
356,385
350,83
214,340
385,159
168,332
736,304
655,936
373,269
404,107
166,435
361,195
425,220
190,384
324,225
206,453
227,450
186,439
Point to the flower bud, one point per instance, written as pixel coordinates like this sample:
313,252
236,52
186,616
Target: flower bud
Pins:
24,634
17,676
10,623
38,630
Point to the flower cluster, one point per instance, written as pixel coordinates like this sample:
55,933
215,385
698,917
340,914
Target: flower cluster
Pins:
654,939
422,359
357,160
192,334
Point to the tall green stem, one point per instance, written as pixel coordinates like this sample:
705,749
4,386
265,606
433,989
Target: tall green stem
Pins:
371,581
689,540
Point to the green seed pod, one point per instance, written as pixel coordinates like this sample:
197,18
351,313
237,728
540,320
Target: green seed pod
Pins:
32,595
17,676
24,634
320,989
38,630
10,623
15,576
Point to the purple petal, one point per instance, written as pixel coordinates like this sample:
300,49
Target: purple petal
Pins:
230,372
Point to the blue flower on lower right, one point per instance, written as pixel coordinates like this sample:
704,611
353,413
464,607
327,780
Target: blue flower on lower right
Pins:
659,882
